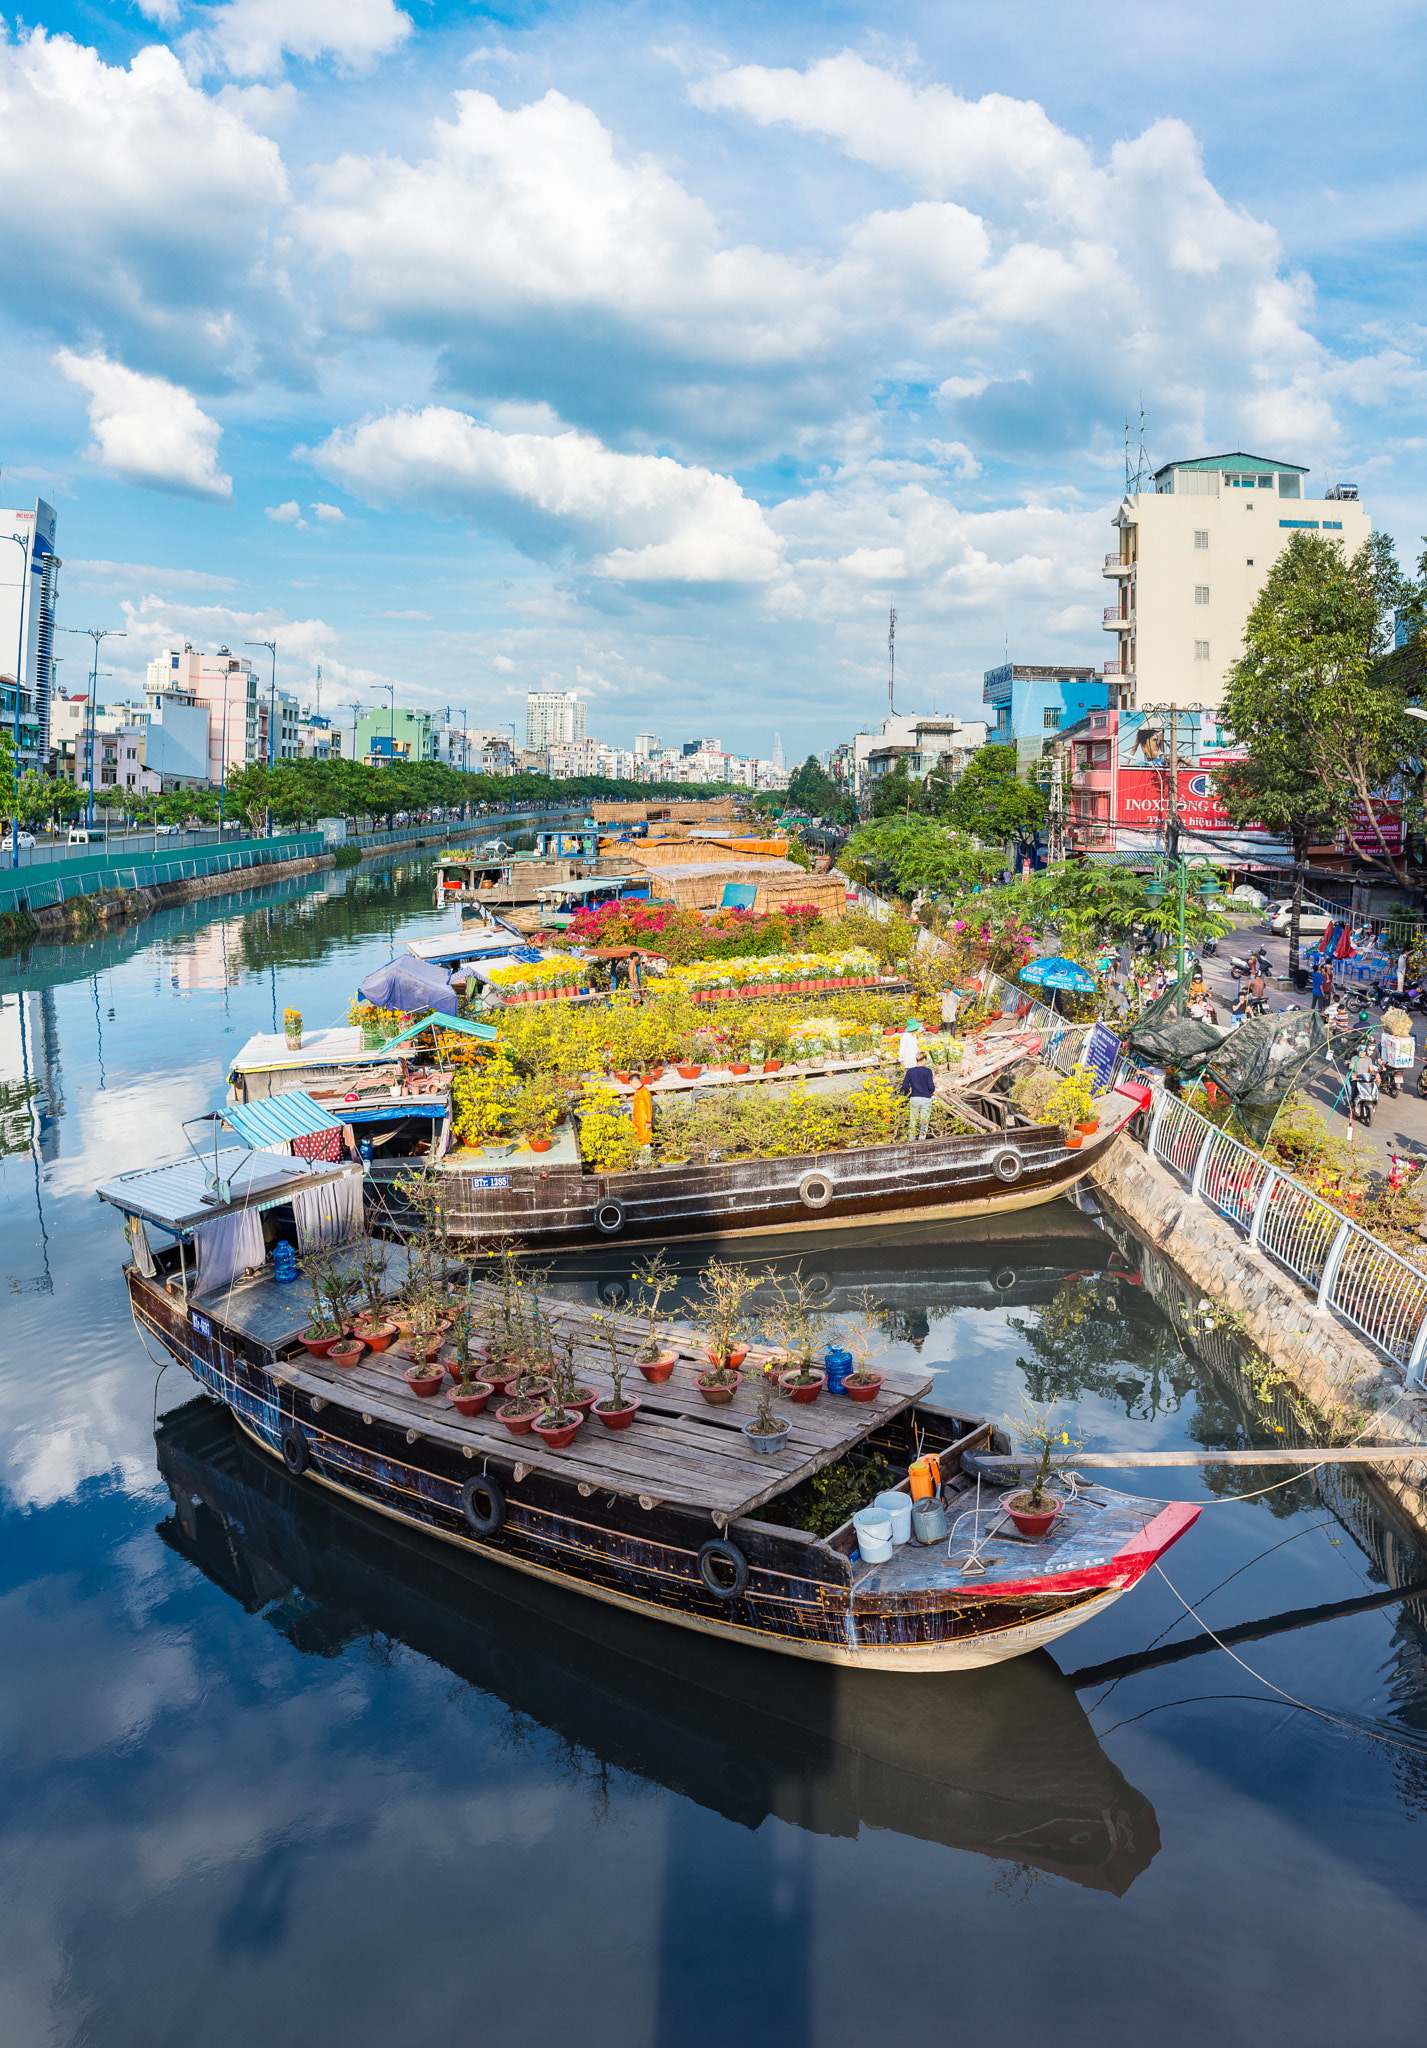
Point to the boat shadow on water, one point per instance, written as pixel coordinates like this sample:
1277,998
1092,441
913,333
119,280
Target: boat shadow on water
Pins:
1001,1761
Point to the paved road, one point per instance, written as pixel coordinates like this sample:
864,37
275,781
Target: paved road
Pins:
1399,1125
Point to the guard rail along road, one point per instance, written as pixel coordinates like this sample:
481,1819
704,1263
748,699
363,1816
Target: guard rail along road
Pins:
1376,1291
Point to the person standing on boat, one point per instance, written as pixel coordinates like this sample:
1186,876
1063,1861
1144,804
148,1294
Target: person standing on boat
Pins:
918,1084
908,1051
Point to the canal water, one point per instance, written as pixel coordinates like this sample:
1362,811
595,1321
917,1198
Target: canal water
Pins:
276,1772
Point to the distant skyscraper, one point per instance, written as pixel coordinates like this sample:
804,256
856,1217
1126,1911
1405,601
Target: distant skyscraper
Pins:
553,716
778,751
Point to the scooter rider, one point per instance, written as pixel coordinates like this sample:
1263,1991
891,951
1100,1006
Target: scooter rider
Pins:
1362,1072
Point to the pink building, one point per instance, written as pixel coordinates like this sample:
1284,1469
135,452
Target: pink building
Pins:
227,685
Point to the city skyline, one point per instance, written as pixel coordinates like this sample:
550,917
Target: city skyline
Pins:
746,328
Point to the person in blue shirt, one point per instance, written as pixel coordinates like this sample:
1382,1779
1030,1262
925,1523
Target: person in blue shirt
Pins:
918,1084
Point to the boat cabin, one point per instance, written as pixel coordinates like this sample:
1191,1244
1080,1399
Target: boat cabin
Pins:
561,902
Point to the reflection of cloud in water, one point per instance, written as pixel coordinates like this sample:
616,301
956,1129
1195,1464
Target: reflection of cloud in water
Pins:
137,1122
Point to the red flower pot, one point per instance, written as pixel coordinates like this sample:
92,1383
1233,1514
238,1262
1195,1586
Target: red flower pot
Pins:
423,1384
376,1336
540,1144
1086,1128
348,1352
585,1399
802,1390
660,1368
868,1391
618,1418
319,1347
555,1436
738,1066
1029,1522
733,1359
771,1066
718,1392
1074,1141
621,1074
472,1403
690,1073
518,1425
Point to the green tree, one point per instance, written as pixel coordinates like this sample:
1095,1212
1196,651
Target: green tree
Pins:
812,789
992,800
898,794
1321,722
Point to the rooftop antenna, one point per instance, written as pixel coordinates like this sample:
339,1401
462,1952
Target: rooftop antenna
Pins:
318,687
891,660
1143,474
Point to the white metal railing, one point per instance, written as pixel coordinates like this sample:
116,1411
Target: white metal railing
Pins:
1348,1270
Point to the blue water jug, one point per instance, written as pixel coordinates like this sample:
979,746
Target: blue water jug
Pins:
837,1365
284,1261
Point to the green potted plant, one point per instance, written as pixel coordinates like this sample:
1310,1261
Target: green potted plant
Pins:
292,1029
1071,1105
766,1432
325,1329
1034,1508
862,1384
795,1323
560,1418
372,1323
654,1277
723,1311
617,1409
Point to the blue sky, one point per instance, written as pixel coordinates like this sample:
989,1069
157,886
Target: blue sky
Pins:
655,352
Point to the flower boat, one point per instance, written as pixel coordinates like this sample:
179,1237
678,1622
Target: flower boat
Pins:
676,1518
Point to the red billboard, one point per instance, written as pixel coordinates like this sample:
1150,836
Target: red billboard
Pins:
1144,800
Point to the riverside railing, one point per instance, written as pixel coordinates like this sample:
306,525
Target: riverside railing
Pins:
1347,1269
90,874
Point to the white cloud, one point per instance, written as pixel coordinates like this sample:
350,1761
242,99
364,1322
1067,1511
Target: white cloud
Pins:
150,210
502,662
148,430
250,37
638,518
332,515
289,514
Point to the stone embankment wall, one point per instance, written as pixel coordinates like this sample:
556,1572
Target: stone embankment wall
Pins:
1331,1366
82,914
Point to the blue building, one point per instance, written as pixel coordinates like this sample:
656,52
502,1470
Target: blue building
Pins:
1032,704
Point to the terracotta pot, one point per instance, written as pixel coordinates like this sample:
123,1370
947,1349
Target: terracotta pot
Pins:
733,1358
617,1418
555,1436
802,1390
738,1066
719,1392
472,1403
424,1384
690,1073
772,1066
421,1350
585,1399
655,1074
1032,1522
1074,1141
868,1391
347,1352
376,1336
620,1074
518,1425
539,1144
319,1347
1086,1129
538,1390
660,1368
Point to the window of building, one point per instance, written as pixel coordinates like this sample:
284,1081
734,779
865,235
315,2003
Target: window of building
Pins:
1265,483
1201,650
1052,718
1201,593
1201,536
1288,486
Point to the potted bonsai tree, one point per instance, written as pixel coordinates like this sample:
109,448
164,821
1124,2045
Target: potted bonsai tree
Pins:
766,1432
795,1323
558,1421
1072,1106
1034,1508
655,1277
372,1323
862,1384
325,1329
617,1409
723,1310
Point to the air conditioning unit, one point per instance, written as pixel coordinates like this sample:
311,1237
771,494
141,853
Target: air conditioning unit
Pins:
1348,491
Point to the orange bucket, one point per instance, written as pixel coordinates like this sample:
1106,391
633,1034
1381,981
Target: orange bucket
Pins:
925,1475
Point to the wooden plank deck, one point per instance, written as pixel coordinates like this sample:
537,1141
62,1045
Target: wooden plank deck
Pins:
678,1450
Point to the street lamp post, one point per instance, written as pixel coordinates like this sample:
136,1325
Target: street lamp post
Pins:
271,646
1183,875
22,542
96,634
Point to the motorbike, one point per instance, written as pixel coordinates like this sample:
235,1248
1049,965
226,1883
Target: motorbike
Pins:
1210,948
1389,1078
1364,1100
1257,960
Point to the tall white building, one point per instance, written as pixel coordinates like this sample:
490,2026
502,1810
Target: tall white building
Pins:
1191,559
777,761
552,716
647,744
28,592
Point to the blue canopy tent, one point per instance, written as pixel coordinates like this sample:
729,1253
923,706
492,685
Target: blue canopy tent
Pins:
410,984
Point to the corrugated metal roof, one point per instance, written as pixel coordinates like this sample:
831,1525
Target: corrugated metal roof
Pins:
181,1193
466,1025
264,1124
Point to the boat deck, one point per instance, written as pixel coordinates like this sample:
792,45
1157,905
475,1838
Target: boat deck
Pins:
1088,1534
679,1450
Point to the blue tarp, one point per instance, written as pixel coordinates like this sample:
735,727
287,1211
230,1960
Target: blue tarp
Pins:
410,984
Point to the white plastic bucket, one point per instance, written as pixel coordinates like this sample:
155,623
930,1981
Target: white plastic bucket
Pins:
899,1507
874,1535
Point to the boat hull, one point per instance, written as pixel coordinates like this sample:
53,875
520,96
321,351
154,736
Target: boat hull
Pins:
803,1598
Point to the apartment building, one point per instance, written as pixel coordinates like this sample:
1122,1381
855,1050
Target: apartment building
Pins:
227,685
928,744
28,593
1192,555
1033,701
553,717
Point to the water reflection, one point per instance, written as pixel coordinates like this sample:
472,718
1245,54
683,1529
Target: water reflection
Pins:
1004,1762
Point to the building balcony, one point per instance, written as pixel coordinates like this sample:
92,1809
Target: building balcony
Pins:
1117,621
1118,668
1118,565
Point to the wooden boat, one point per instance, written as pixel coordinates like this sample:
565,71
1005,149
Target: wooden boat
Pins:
1005,1763
550,1202
671,1518
505,880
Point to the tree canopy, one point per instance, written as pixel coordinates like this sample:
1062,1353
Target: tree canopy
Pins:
812,789
919,853
994,801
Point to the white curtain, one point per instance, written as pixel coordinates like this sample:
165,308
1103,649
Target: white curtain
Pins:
329,1214
139,1245
226,1246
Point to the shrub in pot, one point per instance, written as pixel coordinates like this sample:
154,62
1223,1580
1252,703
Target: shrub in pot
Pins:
655,1278
766,1432
616,1410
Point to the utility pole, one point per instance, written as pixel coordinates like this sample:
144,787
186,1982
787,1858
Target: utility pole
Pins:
891,660
96,634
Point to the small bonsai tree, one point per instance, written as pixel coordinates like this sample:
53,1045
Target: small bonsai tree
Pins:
370,1274
796,1321
654,1277
618,1368
724,1292
317,1272
863,1337
1051,1444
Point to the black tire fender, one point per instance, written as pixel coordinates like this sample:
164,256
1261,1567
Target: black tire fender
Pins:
989,1475
483,1505
609,1216
1007,1164
715,1553
815,1189
296,1450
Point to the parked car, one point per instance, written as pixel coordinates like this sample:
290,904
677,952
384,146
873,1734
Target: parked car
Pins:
80,835
167,831
1310,918
24,838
